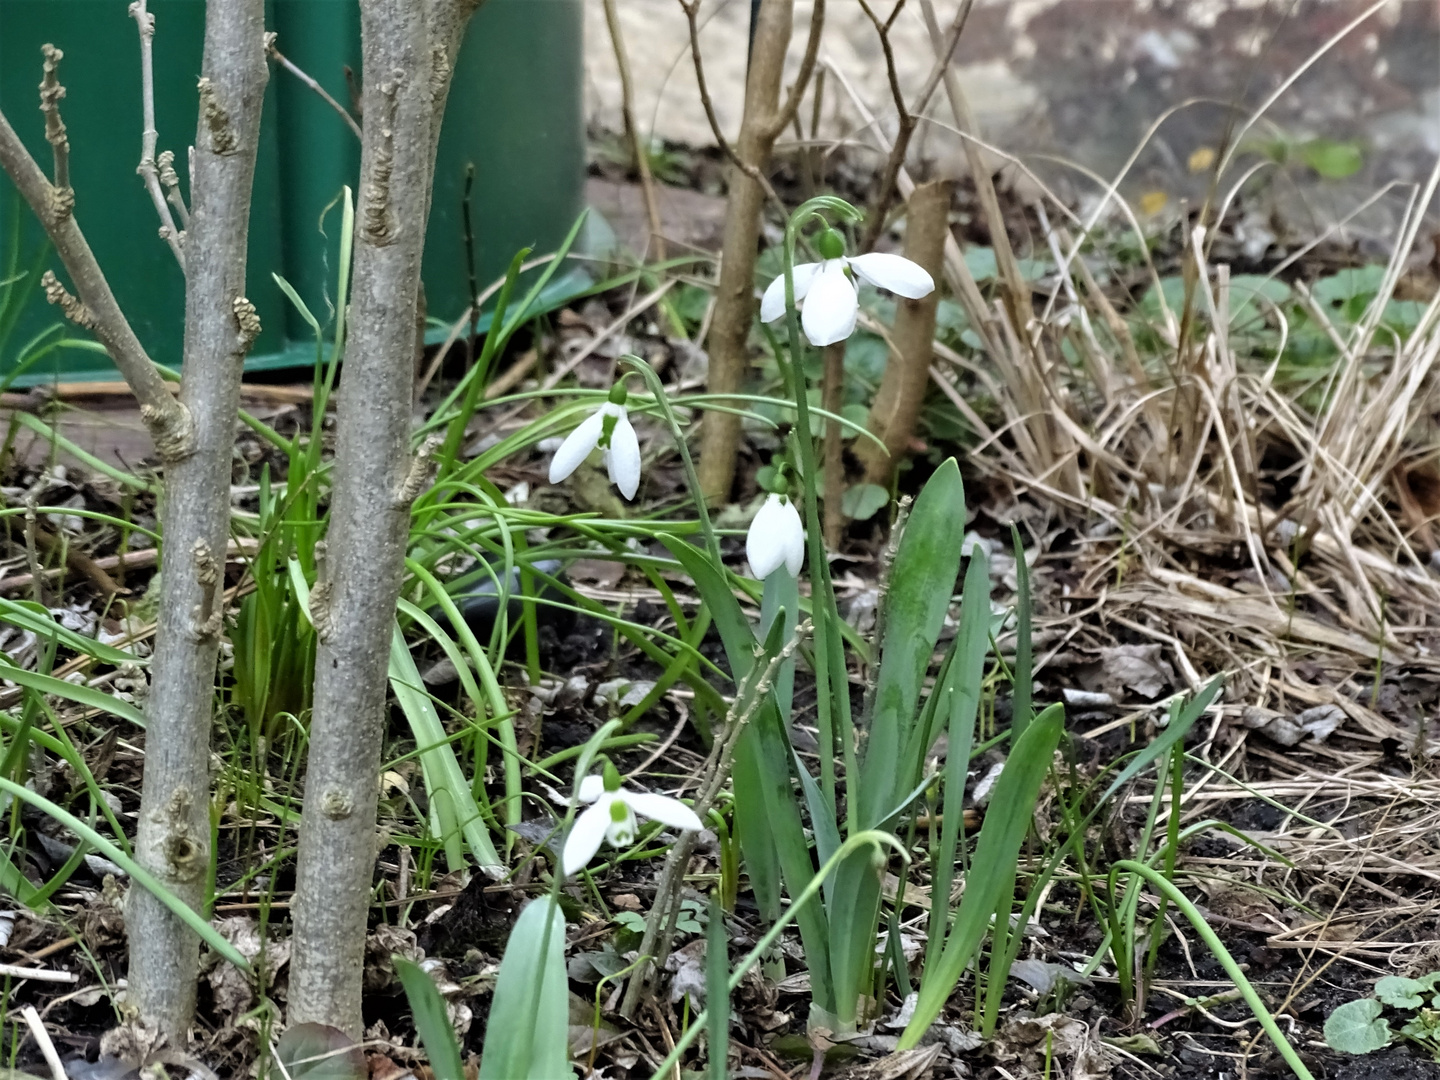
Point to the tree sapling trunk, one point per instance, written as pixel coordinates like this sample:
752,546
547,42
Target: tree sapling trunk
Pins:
897,403
409,48
763,121
195,437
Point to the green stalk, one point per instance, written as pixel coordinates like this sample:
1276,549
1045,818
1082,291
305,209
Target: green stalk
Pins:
1168,889
832,685
873,837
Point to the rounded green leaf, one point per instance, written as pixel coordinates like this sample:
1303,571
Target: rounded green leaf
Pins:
863,501
1356,1027
1400,992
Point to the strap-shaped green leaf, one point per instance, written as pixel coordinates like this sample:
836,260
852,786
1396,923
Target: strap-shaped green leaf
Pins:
921,583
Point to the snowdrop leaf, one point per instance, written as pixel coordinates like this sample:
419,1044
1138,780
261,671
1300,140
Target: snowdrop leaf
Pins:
522,1042
922,582
432,1022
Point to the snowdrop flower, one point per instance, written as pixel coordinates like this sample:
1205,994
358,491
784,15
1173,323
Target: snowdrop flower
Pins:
608,427
611,817
776,538
832,302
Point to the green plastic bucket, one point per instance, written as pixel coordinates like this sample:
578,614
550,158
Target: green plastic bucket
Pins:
514,113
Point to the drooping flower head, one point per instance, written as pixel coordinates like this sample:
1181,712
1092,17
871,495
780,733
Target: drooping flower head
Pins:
830,293
777,535
611,817
608,428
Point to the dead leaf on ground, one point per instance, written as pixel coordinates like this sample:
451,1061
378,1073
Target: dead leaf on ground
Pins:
1141,668
1026,1041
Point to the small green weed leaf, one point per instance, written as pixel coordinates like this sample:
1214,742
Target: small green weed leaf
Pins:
529,1017
863,501
1356,1027
1402,316
318,1052
981,261
1173,290
1247,309
1332,160
866,355
631,920
1032,270
1135,1044
1349,284
1405,993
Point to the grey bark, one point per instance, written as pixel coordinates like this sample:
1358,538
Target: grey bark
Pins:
195,437
173,835
408,48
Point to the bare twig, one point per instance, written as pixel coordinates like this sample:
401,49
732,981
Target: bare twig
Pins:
15,971
692,15
51,93
95,308
907,116
660,926
290,66
409,49
173,834
902,387
147,168
639,153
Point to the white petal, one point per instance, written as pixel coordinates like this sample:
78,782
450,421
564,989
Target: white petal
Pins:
592,787
831,307
894,272
621,833
663,809
623,457
772,304
763,544
576,447
585,837
793,537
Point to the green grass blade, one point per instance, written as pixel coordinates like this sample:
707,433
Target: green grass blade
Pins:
1007,821
432,1022
1021,707
81,695
446,781
31,616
